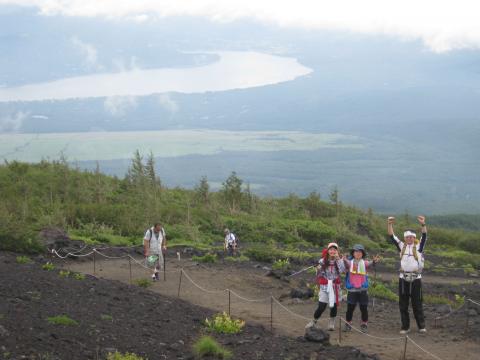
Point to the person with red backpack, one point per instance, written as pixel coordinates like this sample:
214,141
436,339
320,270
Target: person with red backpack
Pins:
329,268
356,283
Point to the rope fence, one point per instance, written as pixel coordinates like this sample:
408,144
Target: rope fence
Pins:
270,299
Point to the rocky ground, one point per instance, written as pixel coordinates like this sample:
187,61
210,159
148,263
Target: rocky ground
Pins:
112,315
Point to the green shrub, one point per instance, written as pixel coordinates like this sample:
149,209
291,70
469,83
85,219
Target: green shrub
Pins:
64,273
127,356
282,264
207,346
62,320
23,259
224,324
48,266
145,283
106,317
78,276
207,258
379,290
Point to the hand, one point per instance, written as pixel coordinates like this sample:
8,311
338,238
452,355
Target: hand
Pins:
147,253
164,249
376,258
421,219
391,220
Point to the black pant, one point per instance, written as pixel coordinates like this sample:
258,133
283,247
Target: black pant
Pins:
363,310
406,291
321,308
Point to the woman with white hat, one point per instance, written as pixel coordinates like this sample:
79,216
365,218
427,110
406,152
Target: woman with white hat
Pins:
329,268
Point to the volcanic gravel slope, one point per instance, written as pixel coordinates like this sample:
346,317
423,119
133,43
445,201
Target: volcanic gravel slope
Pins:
115,316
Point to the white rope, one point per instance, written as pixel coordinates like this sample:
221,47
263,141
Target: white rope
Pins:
70,254
372,336
424,350
201,288
110,257
474,302
290,311
450,313
248,300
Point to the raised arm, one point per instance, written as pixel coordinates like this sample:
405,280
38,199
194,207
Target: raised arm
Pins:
423,239
391,235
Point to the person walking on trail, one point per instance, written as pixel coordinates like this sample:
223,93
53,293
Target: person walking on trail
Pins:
230,244
356,283
410,277
155,245
329,268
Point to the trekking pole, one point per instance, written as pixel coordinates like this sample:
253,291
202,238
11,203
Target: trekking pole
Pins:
180,282
130,268
164,266
405,348
271,313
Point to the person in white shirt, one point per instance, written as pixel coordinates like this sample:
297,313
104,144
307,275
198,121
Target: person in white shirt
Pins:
410,277
155,244
230,244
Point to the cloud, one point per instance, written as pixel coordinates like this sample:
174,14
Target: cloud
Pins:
88,51
12,123
168,104
441,25
119,106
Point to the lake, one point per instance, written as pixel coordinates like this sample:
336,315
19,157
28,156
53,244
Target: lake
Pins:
233,70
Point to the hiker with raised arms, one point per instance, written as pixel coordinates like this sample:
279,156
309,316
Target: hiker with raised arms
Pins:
154,246
356,283
410,277
329,268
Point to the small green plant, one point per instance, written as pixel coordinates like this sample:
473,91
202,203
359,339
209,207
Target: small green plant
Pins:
207,346
315,288
282,265
78,276
64,273
23,260
145,283
48,266
224,324
381,291
207,258
62,320
106,317
127,356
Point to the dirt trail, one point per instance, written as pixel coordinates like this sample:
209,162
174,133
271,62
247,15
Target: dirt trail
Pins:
251,283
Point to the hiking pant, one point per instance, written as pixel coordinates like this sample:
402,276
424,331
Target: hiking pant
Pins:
321,308
406,291
354,297
230,250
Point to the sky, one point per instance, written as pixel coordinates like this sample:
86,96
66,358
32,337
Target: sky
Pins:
442,25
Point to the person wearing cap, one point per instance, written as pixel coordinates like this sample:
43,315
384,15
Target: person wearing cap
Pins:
329,268
155,244
230,243
356,283
410,277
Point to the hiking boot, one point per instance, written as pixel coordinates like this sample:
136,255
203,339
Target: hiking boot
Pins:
312,323
157,276
331,324
347,327
154,277
422,331
364,327
404,332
